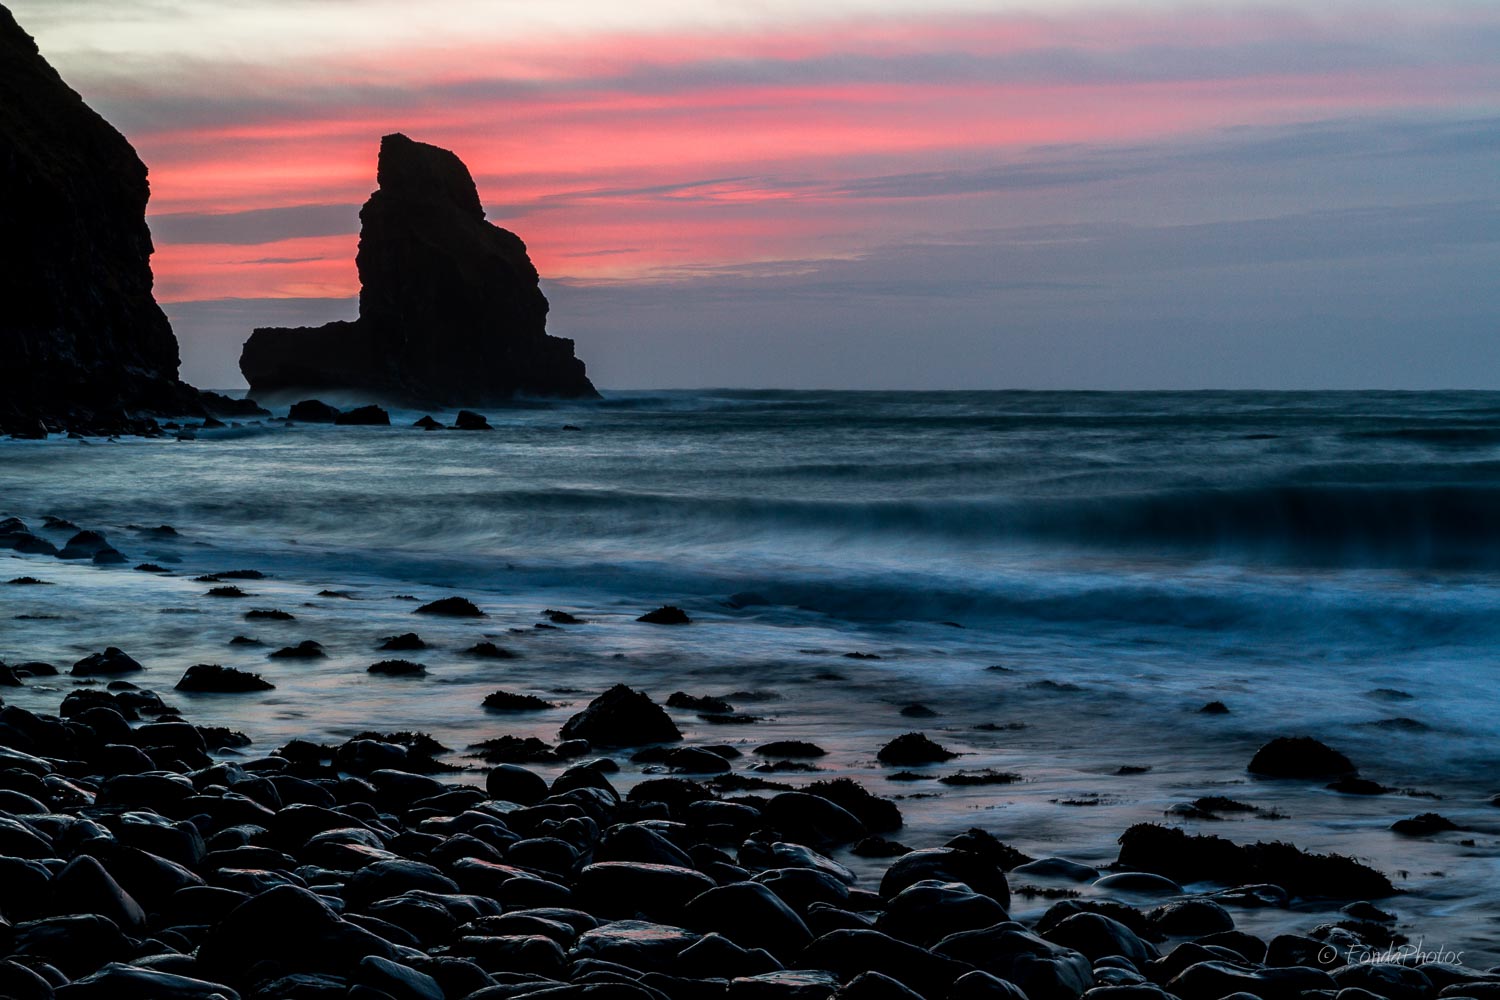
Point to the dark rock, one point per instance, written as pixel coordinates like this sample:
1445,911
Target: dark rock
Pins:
427,423
110,662
698,703
307,649
978,985
1096,936
625,888
1186,858
750,915
396,668
621,717
489,651
269,614
468,420
117,981
399,982
17,982
1041,969
812,819
451,607
1214,708
510,783
75,944
847,953
1299,757
292,928
716,956
212,677
505,701
911,749
313,411
1145,882
83,338
790,748
1385,979
401,643
83,886
1212,980
947,864
368,415
450,308
1424,825
667,614
634,944
1190,918
926,912
792,984
878,814
874,986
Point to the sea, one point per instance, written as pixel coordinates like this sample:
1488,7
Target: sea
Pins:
1051,584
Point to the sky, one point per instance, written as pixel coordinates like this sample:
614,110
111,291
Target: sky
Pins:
1090,194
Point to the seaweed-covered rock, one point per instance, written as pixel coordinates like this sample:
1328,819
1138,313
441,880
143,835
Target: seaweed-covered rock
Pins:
212,677
622,717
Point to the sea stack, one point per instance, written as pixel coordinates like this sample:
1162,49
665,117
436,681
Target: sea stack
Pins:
83,344
451,312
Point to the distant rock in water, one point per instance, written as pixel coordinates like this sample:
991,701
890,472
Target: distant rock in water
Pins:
450,309
83,344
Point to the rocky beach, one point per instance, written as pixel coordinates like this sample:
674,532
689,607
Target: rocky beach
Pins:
243,759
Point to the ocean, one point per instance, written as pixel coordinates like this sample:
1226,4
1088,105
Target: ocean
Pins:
1077,573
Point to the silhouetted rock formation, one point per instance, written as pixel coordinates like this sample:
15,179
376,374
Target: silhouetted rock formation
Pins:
83,344
450,310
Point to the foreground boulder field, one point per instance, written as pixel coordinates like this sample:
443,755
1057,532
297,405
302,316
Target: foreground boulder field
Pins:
142,856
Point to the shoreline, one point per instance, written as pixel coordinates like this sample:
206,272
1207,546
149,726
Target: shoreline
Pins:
1035,892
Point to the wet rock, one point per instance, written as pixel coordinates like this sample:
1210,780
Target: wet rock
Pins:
313,411
83,545
468,420
1145,882
622,717
1097,936
17,982
451,607
1424,825
396,668
910,749
700,703
212,677
76,944
946,864
848,953
667,614
1214,708
506,701
1385,979
1299,757
307,649
399,982
634,944
1041,969
510,783
1213,980
812,819
716,956
791,984
110,662
750,915
1057,868
790,748
292,928
368,415
928,911
117,981
405,642
490,651
978,985
1190,918
269,614
874,986
877,814
625,888
427,423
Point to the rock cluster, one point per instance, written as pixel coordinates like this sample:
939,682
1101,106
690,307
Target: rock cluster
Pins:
451,312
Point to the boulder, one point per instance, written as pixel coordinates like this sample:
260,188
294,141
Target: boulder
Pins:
117,981
313,411
750,915
368,415
212,677
450,308
1041,969
468,420
512,783
947,864
1299,757
622,717
667,614
112,661
911,749
451,607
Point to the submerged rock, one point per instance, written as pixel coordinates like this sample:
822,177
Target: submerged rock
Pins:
369,415
913,748
313,411
452,607
112,661
450,312
1299,757
667,614
212,677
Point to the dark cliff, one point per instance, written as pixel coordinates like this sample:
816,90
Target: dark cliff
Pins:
450,310
83,344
